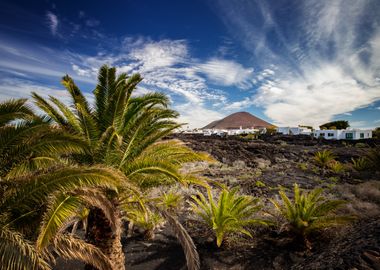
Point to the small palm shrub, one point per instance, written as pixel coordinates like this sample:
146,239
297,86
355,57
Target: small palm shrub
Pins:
147,221
303,166
373,158
229,213
336,166
323,158
359,164
308,212
170,201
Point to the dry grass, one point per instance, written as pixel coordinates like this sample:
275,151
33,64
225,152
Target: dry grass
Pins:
364,198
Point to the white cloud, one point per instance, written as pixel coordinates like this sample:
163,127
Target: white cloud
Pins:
159,54
239,105
315,98
325,66
227,73
196,116
21,88
52,22
165,66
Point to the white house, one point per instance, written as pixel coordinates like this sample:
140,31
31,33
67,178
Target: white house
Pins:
343,134
294,130
229,132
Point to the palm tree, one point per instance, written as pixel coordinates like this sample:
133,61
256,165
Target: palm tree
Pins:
122,131
308,212
229,213
323,158
34,168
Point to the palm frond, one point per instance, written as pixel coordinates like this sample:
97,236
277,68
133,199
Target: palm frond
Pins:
72,248
36,190
61,207
14,109
190,250
16,253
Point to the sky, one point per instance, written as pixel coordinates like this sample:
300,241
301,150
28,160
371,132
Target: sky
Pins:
288,62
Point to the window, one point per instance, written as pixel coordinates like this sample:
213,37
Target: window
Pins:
330,134
321,134
349,136
361,135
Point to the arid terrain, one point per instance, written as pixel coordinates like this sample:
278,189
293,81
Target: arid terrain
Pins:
259,168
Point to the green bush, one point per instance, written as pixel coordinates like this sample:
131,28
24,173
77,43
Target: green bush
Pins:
323,158
336,166
303,166
308,212
373,158
361,145
359,164
230,213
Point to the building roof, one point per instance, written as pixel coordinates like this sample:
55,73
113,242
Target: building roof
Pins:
237,120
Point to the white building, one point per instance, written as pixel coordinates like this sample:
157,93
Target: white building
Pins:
229,132
343,134
294,131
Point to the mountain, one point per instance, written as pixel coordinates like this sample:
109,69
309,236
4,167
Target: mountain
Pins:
237,120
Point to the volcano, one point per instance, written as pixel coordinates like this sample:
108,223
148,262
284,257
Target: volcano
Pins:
237,120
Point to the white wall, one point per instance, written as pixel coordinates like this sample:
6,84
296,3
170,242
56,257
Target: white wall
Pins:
341,134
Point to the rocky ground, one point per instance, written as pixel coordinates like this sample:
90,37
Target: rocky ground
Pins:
261,167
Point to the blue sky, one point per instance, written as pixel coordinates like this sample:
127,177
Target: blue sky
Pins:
288,62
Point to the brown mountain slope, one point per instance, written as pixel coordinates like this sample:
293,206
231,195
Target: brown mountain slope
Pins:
237,120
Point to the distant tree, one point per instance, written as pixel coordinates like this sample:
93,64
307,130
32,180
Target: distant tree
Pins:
341,124
271,131
376,133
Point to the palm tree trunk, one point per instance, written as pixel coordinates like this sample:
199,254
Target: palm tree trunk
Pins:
100,233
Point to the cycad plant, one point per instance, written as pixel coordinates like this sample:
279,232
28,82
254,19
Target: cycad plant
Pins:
229,213
308,212
336,167
323,158
360,164
34,166
122,131
373,158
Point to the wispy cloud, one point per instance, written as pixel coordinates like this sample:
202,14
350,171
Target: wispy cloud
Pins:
227,73
326,65
240,105
13,88
52,21
165,65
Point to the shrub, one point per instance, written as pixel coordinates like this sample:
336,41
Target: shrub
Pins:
373,158
361,145
303,166
145,220
308,212
323,158
336,166
230,213
170,201
359,164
